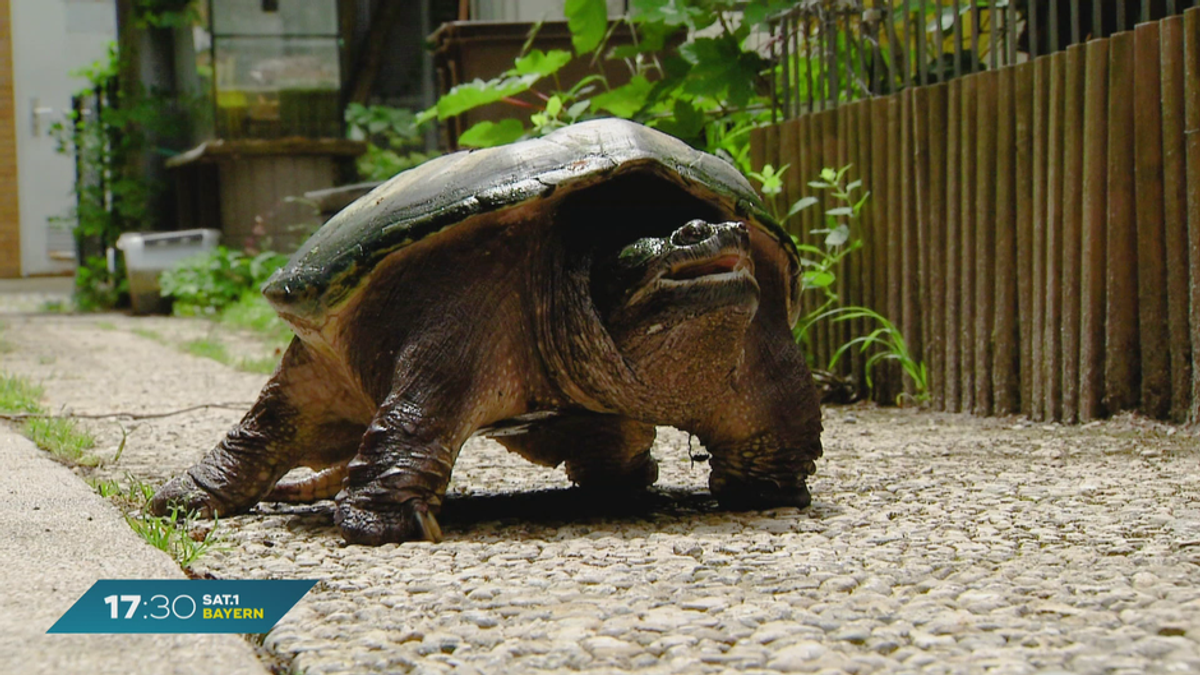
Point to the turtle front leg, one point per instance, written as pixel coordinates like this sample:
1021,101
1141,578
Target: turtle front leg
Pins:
395,485
304,416
765,442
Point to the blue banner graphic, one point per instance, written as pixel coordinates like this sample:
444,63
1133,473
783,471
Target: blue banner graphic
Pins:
182,606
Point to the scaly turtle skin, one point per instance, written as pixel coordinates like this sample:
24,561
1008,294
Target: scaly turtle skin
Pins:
563,295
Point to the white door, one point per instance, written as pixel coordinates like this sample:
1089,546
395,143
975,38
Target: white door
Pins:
50,39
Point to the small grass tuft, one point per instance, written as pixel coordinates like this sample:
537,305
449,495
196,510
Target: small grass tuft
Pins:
209,348
252,312
19,395
263,366
147,333
106,325
174,534
132,495
62,439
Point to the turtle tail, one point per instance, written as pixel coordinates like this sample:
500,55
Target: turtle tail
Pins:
321,485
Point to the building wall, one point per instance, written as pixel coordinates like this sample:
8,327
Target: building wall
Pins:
10,215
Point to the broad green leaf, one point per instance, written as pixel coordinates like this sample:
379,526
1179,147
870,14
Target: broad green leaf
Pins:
840,211
626,100
837,236
488,134
801,204
578,109
537,62
818,279
471,95
553,106
588,21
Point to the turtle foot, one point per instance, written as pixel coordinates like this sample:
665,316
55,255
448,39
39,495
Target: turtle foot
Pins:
411,520
755,496
181,496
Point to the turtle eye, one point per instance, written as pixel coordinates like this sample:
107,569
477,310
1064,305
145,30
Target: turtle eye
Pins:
694,232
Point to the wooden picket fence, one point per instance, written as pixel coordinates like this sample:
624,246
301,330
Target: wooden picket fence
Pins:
1033,230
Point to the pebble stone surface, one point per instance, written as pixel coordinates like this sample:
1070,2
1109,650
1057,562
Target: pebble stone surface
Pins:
935,544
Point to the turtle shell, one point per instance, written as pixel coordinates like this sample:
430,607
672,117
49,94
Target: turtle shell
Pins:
339,258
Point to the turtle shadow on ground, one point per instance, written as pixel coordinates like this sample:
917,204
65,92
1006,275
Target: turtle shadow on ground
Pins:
464,516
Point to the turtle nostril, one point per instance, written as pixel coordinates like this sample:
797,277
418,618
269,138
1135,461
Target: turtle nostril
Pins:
694,232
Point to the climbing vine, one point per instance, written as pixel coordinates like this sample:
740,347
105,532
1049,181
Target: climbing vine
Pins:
106,134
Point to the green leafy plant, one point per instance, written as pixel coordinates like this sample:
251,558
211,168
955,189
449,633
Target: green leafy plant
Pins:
694,72
821,263
206,283
394,140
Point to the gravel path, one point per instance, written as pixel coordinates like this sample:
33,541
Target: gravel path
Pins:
936,543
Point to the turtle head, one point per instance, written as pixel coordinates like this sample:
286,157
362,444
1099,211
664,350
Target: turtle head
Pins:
666,300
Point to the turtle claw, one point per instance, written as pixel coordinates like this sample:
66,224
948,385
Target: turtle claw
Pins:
182,496
758,496
411,520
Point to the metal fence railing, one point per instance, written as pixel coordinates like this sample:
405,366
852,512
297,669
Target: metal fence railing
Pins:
836,51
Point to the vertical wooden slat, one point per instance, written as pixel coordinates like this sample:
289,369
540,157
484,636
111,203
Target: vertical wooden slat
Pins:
803,170
1152,278
829,129
1052,343
880,166
772,157
1006,370
953,255
817,216
866,267
1023,139
758,147
895,241
935,218
921,170
1072,226
1122,361
1191,51
793,181
966,308
1175,216
841,329
985,237
910,283
1041,219
1092,247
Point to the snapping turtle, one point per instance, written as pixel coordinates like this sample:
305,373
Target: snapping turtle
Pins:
563,295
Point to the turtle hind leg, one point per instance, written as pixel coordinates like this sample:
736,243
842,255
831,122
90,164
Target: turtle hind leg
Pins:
600,452
300,418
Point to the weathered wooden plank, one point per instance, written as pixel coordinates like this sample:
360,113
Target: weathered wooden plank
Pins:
1006,366
985,236
953,254
841,329
966,298
1175,216
830,132
895,242
866,218
1041,219
1122,361
1152,277
853,268
772,157
1052,343
935,218
1191,50
923,168
1092,246
1072,226
880,197
910,282
789,155
1023,113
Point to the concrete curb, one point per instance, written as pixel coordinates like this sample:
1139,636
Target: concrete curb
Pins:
59,538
